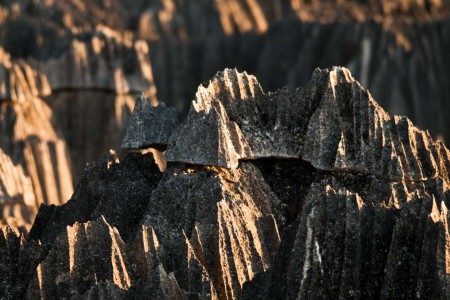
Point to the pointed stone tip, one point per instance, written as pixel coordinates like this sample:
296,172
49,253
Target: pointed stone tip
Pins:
435,214
10,229
337,73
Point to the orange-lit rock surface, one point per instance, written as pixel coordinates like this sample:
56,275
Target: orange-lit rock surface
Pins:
357,209
97,56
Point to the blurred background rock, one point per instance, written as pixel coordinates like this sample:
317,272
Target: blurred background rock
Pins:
70,69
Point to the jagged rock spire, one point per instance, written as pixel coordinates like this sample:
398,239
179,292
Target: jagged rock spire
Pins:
314,194
232,119
333,122
349,131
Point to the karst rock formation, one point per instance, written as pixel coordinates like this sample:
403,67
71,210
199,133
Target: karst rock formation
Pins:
70,69
317,193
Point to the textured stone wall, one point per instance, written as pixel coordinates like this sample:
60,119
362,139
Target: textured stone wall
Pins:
314,194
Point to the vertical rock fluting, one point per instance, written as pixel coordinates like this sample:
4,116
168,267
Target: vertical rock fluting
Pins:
93,102
110,195
273,128
358,209
18,261
279,41
350,132
17,200
221,221
29,134
397,50
342,245
79,260
19,81
29,137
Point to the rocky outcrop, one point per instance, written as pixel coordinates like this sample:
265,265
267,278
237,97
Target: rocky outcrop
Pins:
98,56
221,221
397,50
333,123
150,125
137,176
78,260
350,132
18,262
260,126
358,209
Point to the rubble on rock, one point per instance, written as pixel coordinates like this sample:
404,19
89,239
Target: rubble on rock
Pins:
318,193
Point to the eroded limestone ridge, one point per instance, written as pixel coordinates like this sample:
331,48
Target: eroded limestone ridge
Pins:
318,193
333,123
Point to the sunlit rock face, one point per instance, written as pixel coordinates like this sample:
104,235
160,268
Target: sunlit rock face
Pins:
92,103
89,60
19,81
17,199
396,49
318,193
30,136
32,140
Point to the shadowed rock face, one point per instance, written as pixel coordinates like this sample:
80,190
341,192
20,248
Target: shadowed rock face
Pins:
332,197
87,62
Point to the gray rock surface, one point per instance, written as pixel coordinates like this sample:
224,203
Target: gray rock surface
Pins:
232,118
88,73
150,126
331,221
349,131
